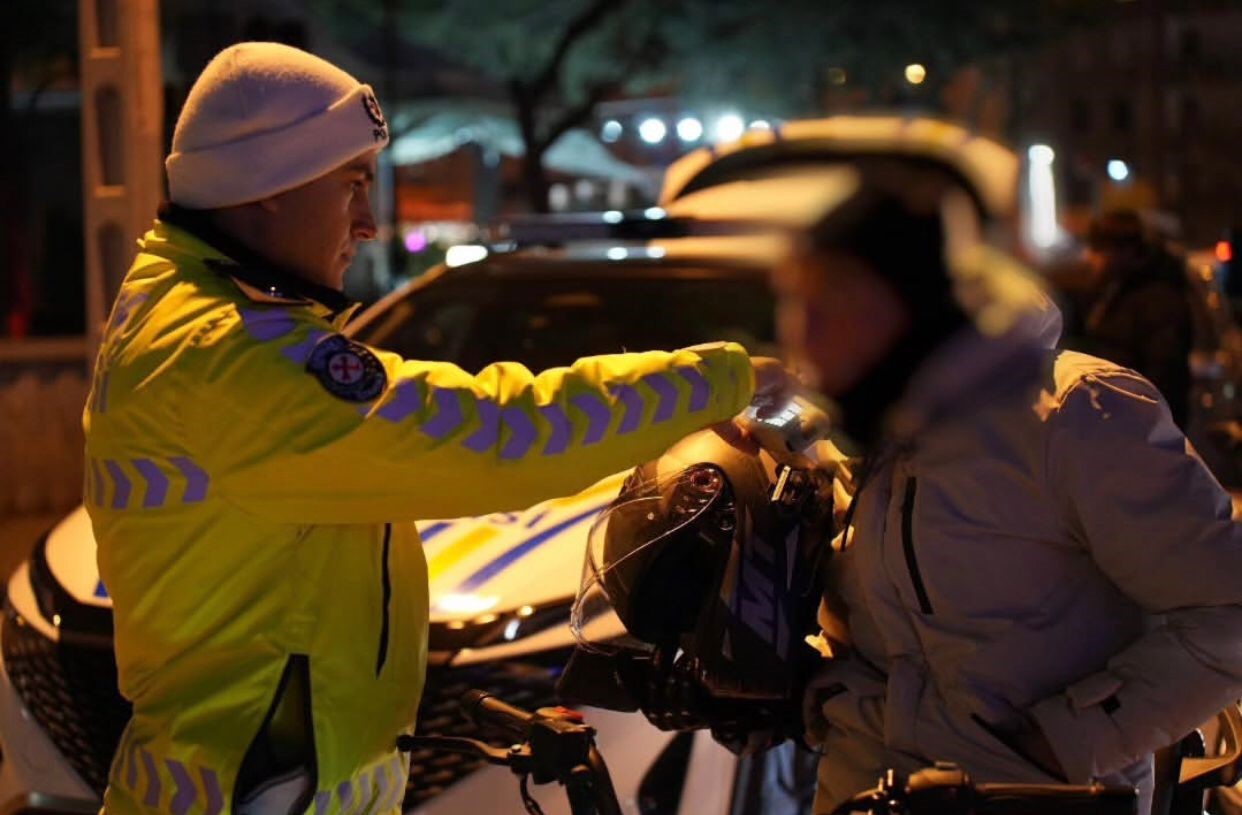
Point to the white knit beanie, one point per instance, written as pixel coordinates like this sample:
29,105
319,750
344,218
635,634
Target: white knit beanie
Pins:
263,118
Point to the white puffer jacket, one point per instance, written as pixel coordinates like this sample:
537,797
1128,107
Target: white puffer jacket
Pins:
1038,541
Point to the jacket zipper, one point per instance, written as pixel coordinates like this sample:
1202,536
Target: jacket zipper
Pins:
386,588
907,544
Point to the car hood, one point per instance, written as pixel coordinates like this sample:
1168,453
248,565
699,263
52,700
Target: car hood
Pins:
476,566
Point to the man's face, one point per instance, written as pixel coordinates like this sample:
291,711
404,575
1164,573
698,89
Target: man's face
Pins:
836,317
314,230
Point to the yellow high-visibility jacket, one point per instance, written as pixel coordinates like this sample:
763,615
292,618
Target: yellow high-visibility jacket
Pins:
252,478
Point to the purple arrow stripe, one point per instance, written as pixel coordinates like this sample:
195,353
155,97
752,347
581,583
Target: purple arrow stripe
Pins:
152,798
633,401
346,793
211,786
399,775
157,482
186,791
364,794
382,790
131,772
700,390
597,413
488,434
448,416
562,430
522,433
196,480
120,484
301,352
266,326
323,800
666,391
406,399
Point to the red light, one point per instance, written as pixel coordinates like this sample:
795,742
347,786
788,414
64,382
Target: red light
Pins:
1224,251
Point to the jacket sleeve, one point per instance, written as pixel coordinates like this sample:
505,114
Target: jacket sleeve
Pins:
282,441
1158,525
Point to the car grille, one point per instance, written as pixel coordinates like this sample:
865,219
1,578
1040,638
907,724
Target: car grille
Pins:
71,692
526,684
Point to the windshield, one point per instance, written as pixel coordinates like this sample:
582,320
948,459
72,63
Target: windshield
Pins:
549,322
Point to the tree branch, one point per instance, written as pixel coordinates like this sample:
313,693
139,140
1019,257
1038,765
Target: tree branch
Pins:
580,26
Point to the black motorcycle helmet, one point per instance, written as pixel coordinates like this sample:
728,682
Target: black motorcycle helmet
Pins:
710,552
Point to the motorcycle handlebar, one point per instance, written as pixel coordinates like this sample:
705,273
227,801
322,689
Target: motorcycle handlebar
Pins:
481,707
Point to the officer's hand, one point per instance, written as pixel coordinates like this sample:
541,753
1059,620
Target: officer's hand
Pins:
773,382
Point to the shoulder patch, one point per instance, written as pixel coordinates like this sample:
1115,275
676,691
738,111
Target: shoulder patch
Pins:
346,369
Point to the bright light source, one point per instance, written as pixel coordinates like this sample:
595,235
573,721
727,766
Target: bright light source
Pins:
652,130
1042,190
915,73
464,253
729,127
526,611
613,216
611,131
760,124
465,603
838,76
1224,251
511,630
415,241
655,213
689,129
1040,154
1118,170
617,253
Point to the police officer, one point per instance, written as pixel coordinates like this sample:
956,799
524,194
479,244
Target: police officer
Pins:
253,475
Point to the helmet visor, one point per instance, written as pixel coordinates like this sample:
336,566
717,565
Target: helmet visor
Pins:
644,573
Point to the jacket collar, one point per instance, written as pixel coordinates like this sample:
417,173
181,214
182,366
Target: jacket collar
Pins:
258,278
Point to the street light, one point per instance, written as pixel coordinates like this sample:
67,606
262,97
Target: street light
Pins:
730,127
1042,190
611,131
760,124
915,73
689,129
652,130
1118,170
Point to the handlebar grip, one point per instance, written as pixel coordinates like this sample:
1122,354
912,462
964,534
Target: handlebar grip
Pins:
482,707
1030,799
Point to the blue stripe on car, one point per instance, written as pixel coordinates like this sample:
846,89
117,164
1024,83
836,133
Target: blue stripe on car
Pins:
495,567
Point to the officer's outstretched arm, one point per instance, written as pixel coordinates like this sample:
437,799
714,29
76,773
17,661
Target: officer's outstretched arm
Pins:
312,428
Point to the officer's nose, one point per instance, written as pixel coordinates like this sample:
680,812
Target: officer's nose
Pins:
363,226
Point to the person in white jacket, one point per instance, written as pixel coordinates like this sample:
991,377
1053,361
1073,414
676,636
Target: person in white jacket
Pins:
1040,581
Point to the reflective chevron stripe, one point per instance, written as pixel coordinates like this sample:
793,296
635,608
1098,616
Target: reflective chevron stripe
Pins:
666,393
298,354
562,430
108,476
120,484
157,482
403,401
266,325
700,389
186,793
448,416
629,396
598,416
152,798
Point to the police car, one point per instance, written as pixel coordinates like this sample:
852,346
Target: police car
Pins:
543,293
